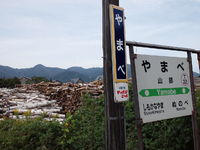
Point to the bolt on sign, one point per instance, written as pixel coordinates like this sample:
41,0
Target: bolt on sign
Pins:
118,45
164,89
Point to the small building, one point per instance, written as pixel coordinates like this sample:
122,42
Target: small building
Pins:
77,80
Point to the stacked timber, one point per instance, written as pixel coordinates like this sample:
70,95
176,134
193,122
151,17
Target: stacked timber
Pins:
68,95
52,100
197,82
22,102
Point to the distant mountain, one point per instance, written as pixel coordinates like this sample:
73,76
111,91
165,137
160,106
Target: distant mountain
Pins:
8,72
59,74
38,70
67,76
63,75
42,71
91,73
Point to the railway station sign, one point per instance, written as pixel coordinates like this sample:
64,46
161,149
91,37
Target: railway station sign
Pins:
118,46
164,88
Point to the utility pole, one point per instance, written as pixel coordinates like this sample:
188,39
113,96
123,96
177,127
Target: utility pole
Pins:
114,112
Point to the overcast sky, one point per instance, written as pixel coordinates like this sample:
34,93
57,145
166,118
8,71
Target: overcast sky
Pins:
65,33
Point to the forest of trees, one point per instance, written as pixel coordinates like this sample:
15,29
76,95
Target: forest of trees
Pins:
12,82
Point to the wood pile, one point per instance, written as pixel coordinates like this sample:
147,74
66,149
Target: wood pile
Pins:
197,82
52,100
68,95
23,102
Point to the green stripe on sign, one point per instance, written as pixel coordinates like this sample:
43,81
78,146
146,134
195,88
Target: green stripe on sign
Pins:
164,91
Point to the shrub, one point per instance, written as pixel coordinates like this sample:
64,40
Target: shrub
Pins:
9,83
87,125
28,134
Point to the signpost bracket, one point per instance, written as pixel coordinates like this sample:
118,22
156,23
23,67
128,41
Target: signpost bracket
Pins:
194,112
139,122
116,118
134,56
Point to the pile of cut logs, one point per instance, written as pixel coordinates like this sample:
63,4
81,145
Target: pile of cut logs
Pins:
52,100
68,95
197,82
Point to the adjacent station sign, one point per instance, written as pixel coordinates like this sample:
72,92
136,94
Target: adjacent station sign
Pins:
118,45
163,85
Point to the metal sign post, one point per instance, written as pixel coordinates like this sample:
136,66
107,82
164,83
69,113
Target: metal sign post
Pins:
195,118
194,113
139,122
178,86
114,112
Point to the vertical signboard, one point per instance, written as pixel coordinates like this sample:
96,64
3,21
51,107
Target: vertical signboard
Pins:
164,89
118,45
